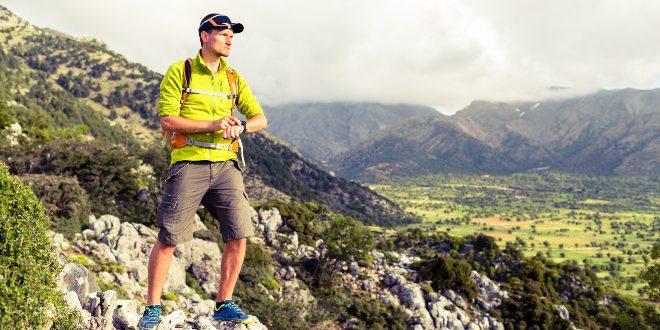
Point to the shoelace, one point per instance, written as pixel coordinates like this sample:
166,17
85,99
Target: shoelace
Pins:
153,311
233,307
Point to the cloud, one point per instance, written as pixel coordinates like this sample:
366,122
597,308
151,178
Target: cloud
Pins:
438,53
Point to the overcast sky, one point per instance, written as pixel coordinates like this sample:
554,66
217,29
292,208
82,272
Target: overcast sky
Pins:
438,53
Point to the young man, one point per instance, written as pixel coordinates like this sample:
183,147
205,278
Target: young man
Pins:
204,169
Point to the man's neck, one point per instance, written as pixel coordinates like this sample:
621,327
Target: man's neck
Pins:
211,59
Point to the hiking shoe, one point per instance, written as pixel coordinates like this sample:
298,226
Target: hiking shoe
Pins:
229,311
151,317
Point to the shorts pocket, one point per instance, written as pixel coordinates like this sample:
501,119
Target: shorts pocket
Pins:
175,170
237,165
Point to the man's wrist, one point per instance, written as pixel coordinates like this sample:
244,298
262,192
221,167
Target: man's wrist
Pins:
244,124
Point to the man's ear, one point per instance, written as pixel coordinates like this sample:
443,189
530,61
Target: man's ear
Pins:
204,36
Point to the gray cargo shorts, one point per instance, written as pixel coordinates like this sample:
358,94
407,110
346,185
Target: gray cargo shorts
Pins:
218,186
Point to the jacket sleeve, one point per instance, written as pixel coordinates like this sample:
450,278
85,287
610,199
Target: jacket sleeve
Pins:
169,103
247,102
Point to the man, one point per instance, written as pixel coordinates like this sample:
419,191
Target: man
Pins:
205,169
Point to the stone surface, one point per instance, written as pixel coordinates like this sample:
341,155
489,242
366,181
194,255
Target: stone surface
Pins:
123,249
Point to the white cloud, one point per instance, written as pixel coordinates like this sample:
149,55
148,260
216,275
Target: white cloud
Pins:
439,53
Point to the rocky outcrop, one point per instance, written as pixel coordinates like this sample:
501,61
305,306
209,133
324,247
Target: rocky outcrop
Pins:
118,254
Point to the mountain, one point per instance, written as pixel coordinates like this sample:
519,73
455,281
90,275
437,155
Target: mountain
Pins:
58,90
608,132
611,132
420,146
323,130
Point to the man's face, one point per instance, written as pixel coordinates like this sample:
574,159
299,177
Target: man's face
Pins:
218,41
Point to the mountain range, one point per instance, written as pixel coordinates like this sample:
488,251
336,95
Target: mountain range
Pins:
610,132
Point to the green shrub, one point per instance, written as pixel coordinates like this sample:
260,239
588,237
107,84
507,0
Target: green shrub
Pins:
302,218
447,273
347,238
194,284
105,171
64,199
170,296
28,267
275,315
257,265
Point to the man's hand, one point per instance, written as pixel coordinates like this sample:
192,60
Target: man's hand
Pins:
233,131
225,122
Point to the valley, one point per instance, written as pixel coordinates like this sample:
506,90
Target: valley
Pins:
608,224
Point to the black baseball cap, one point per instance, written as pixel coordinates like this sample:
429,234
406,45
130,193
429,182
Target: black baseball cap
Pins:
218,22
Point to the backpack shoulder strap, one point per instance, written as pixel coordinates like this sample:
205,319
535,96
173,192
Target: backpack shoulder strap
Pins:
233,87
185,82
174,139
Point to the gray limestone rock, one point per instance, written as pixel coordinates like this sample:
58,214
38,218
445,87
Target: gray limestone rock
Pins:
489,294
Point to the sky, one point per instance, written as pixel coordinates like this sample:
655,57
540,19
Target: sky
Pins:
438,53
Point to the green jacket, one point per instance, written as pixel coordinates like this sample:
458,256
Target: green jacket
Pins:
204,107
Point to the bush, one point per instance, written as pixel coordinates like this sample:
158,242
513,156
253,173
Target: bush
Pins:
64,199
28,267
347,238
105,171
258,267
447,273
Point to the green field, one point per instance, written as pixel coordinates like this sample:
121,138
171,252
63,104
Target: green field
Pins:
606,223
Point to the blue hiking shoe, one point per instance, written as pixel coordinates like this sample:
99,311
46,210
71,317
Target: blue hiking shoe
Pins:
151,317
229,311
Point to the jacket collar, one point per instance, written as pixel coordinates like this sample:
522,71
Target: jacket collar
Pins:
200,62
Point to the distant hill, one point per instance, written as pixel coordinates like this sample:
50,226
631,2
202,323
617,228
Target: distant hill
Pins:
611,132
57,88
420,146
324,130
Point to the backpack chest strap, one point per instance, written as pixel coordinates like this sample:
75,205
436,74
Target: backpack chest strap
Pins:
210,93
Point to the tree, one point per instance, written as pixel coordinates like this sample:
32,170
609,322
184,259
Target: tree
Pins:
651,274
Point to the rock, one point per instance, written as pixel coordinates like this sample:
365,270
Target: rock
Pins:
456,299
563,312
202,259
287,273
473,326
489,294
106,228
412,298
126,315
353,268
59,242
294,241
74,277
271,219
198,224
282,257
172,321
392,279
102,306
445,314
106,277
128,243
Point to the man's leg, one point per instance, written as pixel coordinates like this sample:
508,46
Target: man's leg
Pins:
159,265
232,261
228,203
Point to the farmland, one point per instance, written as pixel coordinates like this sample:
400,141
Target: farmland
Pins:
606,223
